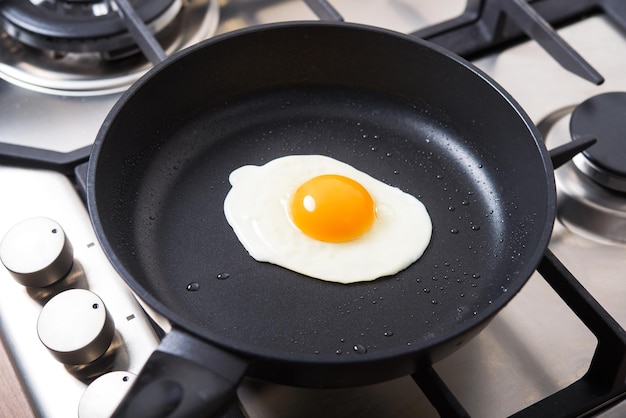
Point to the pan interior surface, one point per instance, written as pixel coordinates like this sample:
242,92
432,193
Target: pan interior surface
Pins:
425,124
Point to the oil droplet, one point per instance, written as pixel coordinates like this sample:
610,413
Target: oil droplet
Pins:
223,276
388,333
359,349
475,227
338,351
193,286
454,231
451,208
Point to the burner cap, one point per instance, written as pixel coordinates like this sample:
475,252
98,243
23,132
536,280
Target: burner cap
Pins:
604,118
74,25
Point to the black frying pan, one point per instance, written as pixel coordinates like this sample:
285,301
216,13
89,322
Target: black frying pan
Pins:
404,111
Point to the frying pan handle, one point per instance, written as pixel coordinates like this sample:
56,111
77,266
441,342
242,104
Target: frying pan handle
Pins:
184,377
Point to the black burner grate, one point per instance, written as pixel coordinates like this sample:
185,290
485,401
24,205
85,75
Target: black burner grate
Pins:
487,26
601,387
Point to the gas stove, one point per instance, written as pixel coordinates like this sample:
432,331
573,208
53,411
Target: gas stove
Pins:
54,98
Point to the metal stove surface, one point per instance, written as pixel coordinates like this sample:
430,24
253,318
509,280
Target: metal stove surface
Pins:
96,69
534,347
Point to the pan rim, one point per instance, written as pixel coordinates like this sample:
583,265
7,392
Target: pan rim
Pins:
248,350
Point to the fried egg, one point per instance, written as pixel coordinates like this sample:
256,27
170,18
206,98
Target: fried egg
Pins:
325,219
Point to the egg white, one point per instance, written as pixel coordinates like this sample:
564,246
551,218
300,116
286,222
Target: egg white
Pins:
256,208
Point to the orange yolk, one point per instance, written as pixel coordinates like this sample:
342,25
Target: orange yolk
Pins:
332,208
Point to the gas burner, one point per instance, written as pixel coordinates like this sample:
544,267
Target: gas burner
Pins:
602,117
82,48
591,198
79,25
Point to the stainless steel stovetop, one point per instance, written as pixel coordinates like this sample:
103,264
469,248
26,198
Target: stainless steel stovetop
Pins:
533,348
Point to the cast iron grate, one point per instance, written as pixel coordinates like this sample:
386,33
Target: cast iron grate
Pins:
489,25
602,386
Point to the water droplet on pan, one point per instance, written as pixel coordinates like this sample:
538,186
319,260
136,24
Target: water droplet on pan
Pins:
360,349
193,286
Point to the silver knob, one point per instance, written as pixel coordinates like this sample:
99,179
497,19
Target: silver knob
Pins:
36,252
104,394
76,327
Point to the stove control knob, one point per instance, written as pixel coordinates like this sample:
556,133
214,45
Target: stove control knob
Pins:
76,327
36,252
104,394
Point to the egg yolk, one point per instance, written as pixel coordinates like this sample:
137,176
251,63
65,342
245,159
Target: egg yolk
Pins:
332,208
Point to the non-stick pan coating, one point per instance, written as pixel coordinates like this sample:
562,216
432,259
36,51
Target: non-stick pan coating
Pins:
405,113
